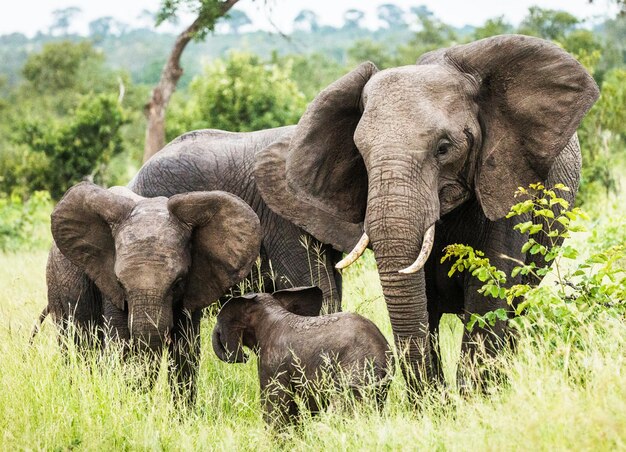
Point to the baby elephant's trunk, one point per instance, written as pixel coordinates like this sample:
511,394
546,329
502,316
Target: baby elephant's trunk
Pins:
227,350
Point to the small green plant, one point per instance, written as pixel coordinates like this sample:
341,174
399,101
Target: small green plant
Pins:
25,225
595,287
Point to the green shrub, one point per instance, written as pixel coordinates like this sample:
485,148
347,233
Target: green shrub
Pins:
603,139
79,148
25,225
240,94
573,295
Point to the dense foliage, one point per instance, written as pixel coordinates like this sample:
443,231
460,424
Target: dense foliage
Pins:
578,290
241,93
68,116
79,148
248,91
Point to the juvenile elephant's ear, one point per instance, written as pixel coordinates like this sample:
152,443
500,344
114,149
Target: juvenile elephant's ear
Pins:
225,242
81,227
305,301
532,96
315,176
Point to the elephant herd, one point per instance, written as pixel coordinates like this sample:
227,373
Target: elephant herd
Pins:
405,161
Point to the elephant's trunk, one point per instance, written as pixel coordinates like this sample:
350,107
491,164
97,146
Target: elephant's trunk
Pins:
150,320
402,205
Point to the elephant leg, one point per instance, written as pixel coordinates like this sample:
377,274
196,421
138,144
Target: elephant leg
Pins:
74,302
185,350
434,318
479,347
297,259
482,343
486,340
279,407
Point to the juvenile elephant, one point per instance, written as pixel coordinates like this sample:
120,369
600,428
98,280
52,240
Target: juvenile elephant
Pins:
300,353
400,159
141,270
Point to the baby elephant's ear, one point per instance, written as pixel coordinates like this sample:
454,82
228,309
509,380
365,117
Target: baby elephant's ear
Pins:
301,300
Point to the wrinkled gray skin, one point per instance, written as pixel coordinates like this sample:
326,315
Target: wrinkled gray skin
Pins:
292,342
219,160
446,141
140,270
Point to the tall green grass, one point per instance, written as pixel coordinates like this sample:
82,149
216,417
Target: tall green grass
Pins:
550,395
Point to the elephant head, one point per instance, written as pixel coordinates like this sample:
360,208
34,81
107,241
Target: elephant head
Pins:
236,322
389,152
149,256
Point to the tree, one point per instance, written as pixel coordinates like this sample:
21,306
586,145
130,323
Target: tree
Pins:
368,50
306,19
59,65
313,72
392,15
76,149
236,19
431,34
603,137
242,93
147,18
548,23
493,27
100,28
207,13
621,4
63,18
421,12
352,18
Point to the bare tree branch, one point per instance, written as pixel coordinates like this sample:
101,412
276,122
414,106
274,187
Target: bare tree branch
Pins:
156,107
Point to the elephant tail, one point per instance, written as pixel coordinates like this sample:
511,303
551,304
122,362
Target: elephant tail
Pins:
37,325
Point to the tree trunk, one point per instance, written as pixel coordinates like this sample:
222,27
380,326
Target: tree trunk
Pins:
156,107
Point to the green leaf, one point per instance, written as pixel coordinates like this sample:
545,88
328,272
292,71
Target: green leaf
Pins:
523,227
527,245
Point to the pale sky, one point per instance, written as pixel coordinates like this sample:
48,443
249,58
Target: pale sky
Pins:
29,16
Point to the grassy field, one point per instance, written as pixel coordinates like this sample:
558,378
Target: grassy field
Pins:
554,396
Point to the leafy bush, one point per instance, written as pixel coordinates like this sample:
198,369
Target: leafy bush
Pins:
79,148
239,94
593,289
25,225
602,137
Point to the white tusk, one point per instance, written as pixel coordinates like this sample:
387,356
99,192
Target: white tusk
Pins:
358,250
427,247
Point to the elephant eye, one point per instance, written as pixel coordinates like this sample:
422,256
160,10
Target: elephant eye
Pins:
177,284
443,147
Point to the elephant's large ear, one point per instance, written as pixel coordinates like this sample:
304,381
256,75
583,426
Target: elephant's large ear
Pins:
301,300
81,227
532,97
226,238
315,176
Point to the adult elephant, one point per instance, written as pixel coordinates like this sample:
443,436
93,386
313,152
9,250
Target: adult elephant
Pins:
389,158
141,270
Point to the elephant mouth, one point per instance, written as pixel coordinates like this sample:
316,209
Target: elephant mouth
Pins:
451,196
418,264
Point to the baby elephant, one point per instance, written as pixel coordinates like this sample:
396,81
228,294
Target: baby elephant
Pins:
300,351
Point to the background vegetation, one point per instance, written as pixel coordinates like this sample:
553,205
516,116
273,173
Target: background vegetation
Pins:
71,108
